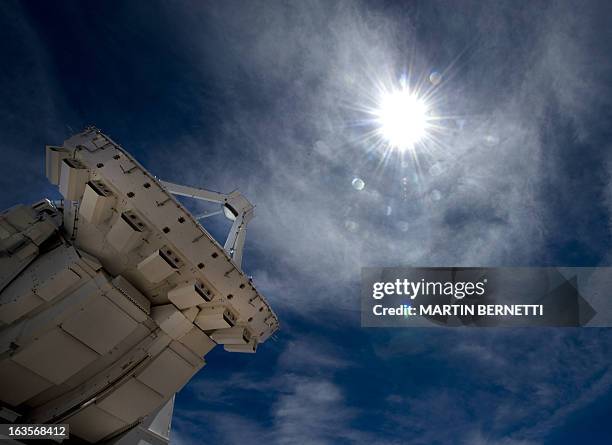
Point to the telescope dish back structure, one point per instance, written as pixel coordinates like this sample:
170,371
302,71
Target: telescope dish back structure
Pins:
111,298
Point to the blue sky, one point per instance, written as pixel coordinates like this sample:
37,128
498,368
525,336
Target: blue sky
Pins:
268,97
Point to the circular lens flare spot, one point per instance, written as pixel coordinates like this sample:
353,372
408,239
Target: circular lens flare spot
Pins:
402,118
358,184
351,226
435,78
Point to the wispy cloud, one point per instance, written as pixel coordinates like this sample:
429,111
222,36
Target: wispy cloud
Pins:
316,63
502,174
308,406
507,386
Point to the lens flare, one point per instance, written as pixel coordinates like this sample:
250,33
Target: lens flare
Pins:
358,184
402,118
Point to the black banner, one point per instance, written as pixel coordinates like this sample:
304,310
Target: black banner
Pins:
481,297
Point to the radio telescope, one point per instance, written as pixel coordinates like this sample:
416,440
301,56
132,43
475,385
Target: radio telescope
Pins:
111,298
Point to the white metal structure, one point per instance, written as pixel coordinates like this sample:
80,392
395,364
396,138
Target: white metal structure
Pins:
235,207
110,300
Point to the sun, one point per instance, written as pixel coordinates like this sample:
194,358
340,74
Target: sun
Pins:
402,118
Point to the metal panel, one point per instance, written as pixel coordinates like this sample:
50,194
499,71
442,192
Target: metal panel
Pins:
18,384
27,252
40,322
250,347
127,232
10,267
5,229
167,373
73,177
100,325
189,295
217,317
186,354
238,335
93,424
20,217
12,244
57,284
18,307
89,260
161,420
134,296
158,266
171,320
55,356
161,341
198,342
191,313
131,401
40,231
97,202
54,156
153,430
